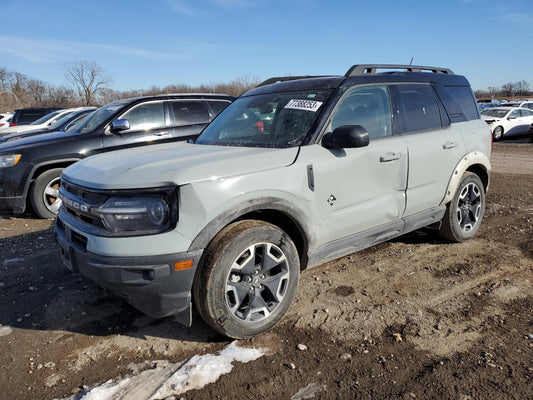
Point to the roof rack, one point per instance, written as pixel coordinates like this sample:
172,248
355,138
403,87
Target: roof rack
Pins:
364,69
287,78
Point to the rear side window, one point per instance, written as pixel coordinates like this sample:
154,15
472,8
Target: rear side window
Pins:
190,112
218,106
418,109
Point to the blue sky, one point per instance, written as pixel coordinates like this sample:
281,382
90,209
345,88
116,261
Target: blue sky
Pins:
162,42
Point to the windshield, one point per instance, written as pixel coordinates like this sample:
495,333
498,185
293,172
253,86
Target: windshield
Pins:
266,120
495,112
42,120
76,123
102,114
58,122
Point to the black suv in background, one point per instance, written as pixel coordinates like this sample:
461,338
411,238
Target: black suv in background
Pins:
25,116
30,166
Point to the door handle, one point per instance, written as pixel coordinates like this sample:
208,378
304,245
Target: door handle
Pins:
165,133
390,157
449,145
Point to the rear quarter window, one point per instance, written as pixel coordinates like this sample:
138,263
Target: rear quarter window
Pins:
460,102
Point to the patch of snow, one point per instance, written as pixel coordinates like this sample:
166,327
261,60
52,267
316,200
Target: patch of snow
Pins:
5,330
309,391
201,370
167,379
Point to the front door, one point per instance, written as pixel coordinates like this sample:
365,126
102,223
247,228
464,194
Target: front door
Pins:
357,189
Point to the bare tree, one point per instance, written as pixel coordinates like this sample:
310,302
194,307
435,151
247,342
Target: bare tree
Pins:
87,78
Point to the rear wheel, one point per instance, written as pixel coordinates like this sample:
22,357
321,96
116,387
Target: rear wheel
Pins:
45,194
247,279
465,212
497,133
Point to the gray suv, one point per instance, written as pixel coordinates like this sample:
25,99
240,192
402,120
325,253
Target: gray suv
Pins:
294,173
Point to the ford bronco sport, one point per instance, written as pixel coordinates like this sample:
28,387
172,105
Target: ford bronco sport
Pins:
292,174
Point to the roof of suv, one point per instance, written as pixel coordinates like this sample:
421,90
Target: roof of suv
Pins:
366,73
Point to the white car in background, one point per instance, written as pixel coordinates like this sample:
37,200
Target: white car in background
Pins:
5,118
41,123
507,120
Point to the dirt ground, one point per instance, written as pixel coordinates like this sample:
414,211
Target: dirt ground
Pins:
414,318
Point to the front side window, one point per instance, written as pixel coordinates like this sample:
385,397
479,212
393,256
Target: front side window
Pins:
145,116
276,120
418,108
515,114
366,106
190,112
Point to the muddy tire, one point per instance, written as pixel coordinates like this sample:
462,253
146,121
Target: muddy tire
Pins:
247,279
45,194
465,211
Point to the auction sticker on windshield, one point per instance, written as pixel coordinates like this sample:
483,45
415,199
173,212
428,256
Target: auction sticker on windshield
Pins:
307,105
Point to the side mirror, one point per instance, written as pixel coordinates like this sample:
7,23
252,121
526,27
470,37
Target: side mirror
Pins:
346,136
120,125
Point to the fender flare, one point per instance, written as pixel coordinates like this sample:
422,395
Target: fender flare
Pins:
297,215
474,158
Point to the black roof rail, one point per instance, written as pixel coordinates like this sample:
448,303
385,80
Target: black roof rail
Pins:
287,78
364,69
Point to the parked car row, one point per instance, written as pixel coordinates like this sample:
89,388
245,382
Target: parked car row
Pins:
507,120
31,160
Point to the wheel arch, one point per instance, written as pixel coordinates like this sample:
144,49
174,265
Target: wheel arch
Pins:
277,212
39,168
475,162
45,166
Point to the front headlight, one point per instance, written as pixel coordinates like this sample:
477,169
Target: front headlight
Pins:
142,215
9,160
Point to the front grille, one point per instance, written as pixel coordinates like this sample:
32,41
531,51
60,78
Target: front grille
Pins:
79,203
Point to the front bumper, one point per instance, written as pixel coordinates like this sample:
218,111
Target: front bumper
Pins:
14,184
149,283
16,204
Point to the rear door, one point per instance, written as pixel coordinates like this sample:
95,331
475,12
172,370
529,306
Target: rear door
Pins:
435,146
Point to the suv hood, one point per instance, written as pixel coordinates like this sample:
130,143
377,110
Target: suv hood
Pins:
31,139
173,164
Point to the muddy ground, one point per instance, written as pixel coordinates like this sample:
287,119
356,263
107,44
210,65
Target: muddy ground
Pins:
414,318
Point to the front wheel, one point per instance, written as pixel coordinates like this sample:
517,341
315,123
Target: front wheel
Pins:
465,212
247,279
45,194
497,134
